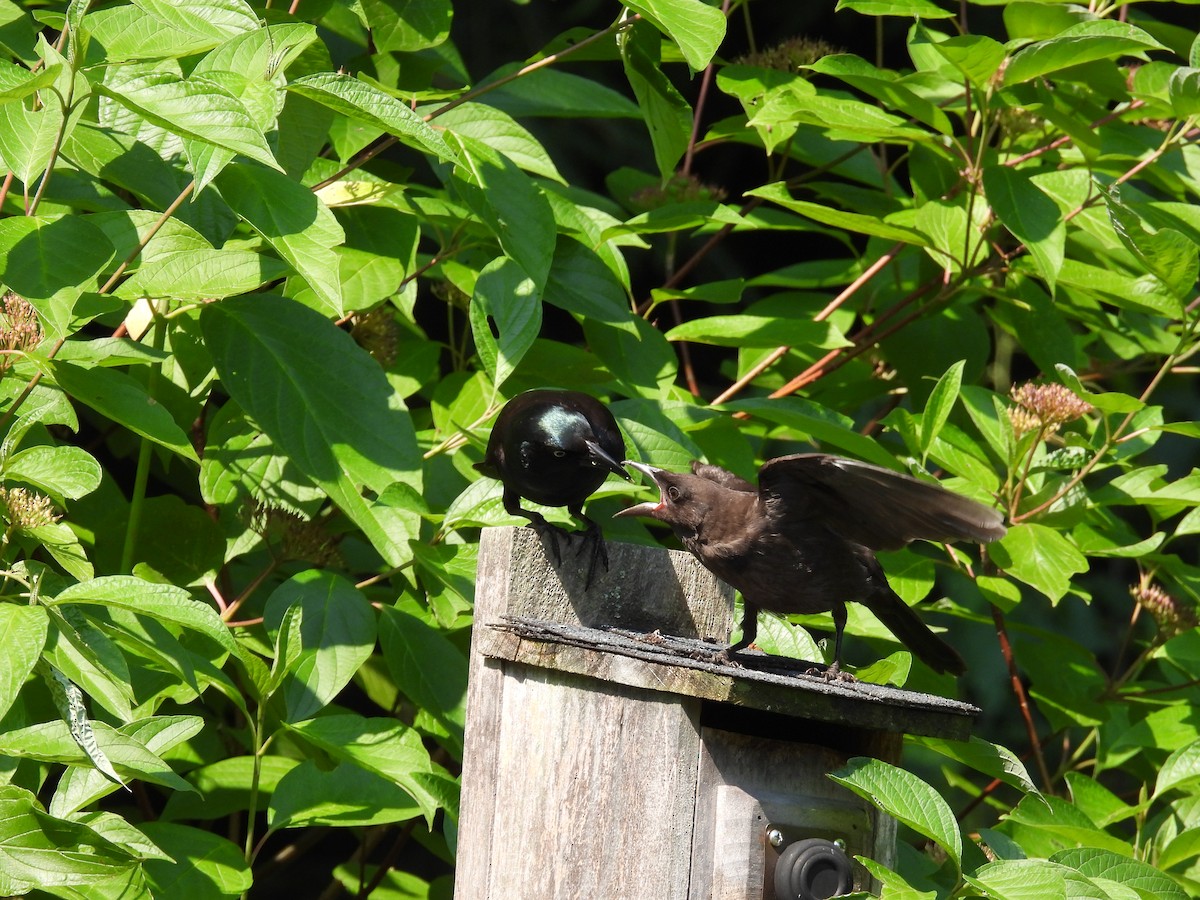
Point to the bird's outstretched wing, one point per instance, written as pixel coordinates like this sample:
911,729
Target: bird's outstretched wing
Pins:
869,505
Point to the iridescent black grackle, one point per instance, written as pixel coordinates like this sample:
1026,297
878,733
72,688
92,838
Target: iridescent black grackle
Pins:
555,448
803,541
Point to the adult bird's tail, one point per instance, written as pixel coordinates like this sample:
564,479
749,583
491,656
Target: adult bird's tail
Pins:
906,625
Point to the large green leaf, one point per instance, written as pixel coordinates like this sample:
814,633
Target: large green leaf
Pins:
51,261
293,221
372,107
695,26
208,20
39,851
346,795
199,109
23,632
337,636
323,400
406,26
1031,216
851,221
123,399
667,115
1078,44
1039,556
507,300
385,747
201,864
906,798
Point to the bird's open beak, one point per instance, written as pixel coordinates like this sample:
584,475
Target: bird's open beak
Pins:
648,508
602,458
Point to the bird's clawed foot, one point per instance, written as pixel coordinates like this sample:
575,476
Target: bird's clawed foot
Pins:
551,536
727,657
832,674
592,540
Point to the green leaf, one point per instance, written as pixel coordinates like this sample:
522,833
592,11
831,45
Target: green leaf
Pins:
1040,557
1076,45
1030,879
1166,253
210,21
1031,216
199,109
158,601
906,798
667,115
322,399
348,795
407,26
202,864
337,634
884,86
505,299
39,851
511,205
1182,769
551,91
696,27
498,130
23,632
123,399
983,756
59,471
429,669
937,409
17,82
857,222
975,55
1141,876
919,9
293,221
50,261
383,746
372,107
746,330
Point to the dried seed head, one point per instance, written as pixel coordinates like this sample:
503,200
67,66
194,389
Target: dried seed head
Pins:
788,55
378,333
679,188
27,509
1045,406
19,328
1172,616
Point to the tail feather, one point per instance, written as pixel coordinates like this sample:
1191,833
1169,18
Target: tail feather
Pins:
907,626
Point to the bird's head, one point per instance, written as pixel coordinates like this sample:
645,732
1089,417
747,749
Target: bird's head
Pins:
561,434
680,503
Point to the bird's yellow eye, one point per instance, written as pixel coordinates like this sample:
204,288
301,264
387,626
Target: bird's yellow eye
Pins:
559,454
673,493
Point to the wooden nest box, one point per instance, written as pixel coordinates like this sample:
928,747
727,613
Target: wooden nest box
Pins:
607,756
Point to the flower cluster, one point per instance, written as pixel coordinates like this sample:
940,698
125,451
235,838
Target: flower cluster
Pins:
1045,407
789,55
679,188
1172,616
26,509
19,328
378,333
298,538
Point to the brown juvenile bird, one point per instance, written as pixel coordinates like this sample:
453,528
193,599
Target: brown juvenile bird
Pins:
804,540
555,448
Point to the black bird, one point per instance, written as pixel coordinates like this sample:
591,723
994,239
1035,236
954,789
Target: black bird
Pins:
555,448
803,541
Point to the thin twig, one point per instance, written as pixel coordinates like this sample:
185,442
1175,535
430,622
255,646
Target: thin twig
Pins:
1022,700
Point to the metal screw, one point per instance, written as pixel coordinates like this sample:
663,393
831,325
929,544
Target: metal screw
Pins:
775,836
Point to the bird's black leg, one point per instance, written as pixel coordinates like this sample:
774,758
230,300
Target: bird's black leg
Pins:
549,533
834,672
593,537
749,633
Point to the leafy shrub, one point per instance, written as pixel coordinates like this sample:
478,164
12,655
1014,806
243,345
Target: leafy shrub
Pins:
260,311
